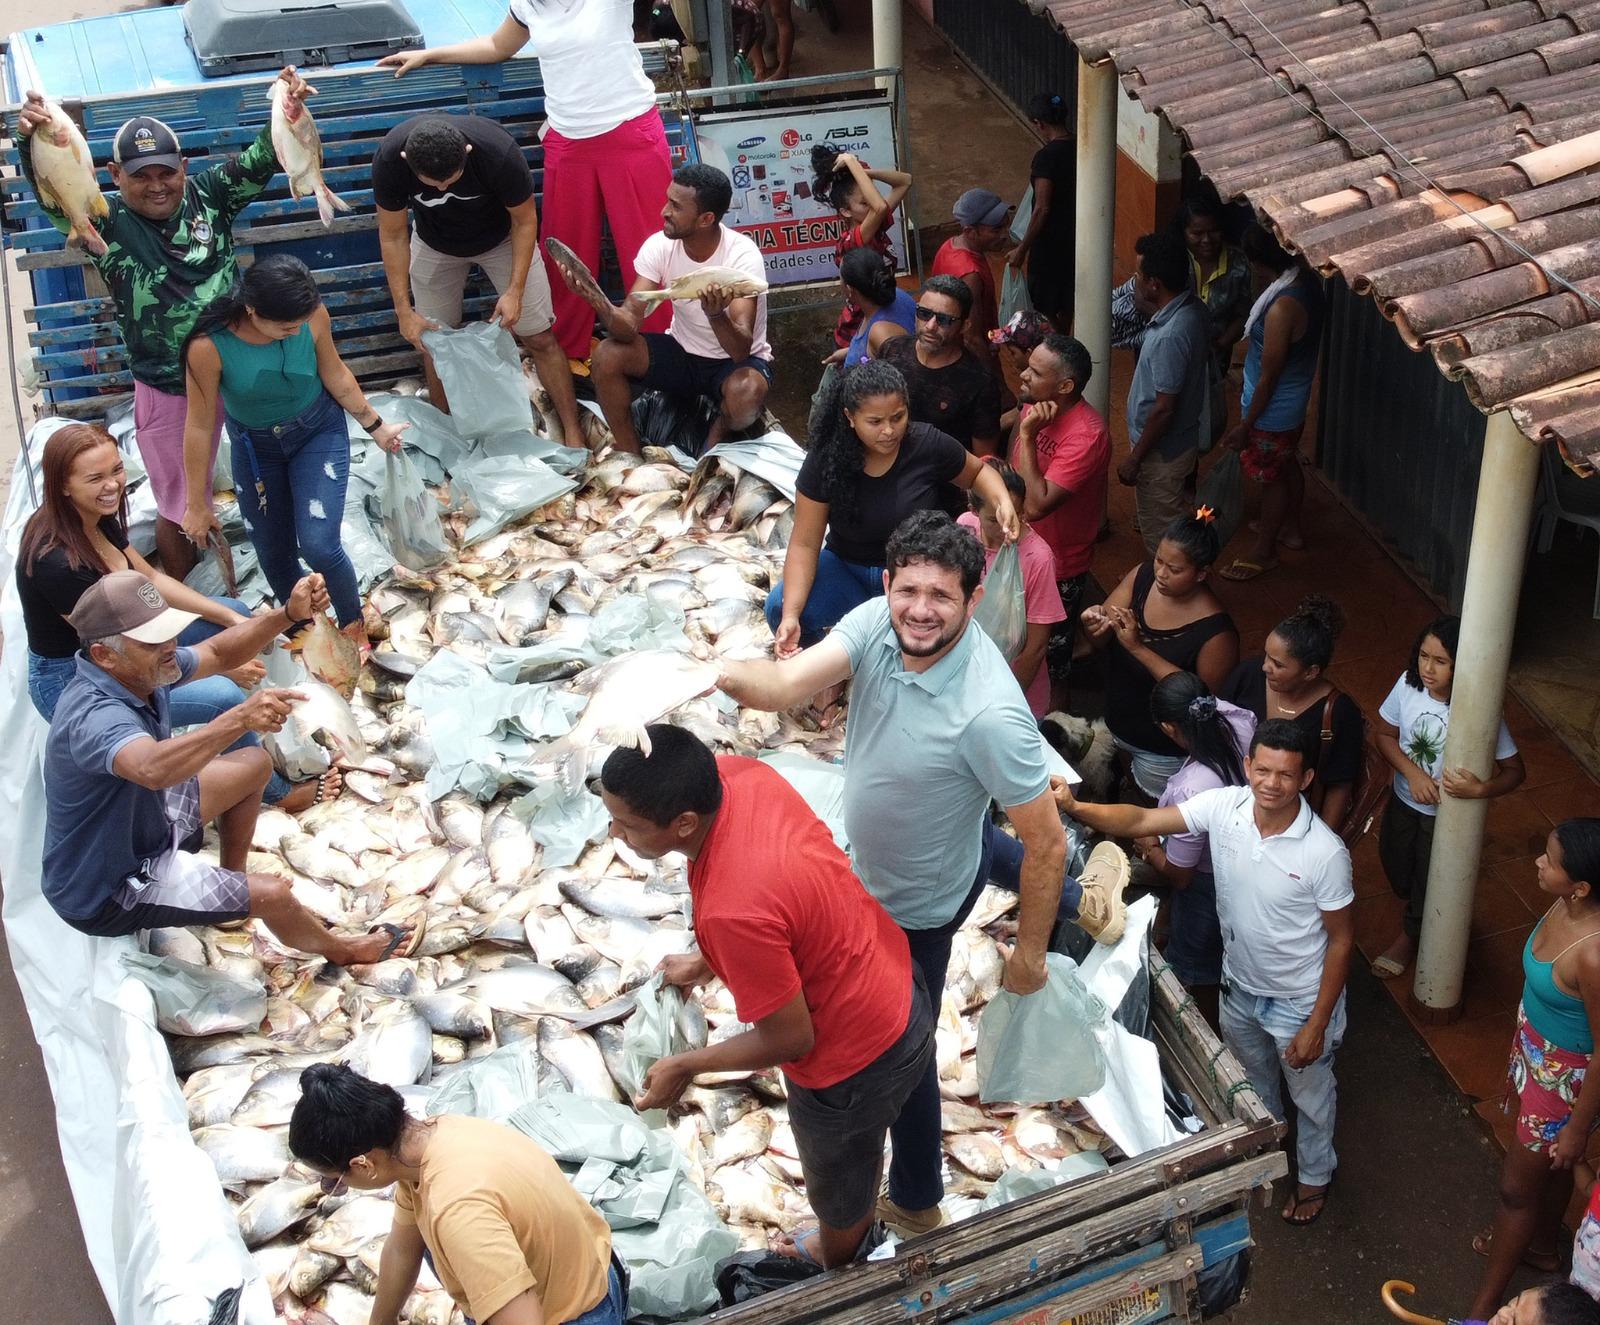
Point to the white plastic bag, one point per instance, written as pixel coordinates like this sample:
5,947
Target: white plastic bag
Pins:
1014,297
482,377
1042,1048
502,489
654,1031
411,523
195,1000
1003,613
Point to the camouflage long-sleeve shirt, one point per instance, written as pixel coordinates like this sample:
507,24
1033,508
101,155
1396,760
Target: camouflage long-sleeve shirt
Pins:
162,275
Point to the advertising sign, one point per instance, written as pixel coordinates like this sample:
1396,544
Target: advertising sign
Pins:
767,155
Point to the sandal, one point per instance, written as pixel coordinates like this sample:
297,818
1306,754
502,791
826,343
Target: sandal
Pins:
403,942
1545,1262
1242,568
1386,967
323,791
1298,1202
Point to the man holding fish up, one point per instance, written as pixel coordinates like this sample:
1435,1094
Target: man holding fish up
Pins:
717,344
164,247
817,968
127,802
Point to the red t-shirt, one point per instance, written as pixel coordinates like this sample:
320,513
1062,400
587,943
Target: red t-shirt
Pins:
1074,451
778,911
961,263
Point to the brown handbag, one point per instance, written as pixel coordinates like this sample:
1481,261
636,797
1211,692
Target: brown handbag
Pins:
1373,780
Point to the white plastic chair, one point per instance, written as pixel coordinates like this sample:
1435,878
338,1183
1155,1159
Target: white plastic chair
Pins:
1565,496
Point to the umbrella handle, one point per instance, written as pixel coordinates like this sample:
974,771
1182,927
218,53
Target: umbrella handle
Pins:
1394,1286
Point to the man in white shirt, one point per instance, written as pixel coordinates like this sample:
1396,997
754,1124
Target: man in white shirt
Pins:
1284,898
717,344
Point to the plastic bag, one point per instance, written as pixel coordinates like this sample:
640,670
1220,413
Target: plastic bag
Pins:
500,489
661,419
754,1273
1013,295
410,513
481,372
493,1087
1003,612
654,1031
562,822
1042,1048
814,418
195,1000
1222,490
1022,216
1014,1184
820,785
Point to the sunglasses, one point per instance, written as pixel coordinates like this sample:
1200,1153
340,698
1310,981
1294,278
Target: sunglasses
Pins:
928,315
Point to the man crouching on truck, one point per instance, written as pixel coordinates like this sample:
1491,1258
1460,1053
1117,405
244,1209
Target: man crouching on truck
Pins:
1284,898
126,800
815,966
938,729
169,253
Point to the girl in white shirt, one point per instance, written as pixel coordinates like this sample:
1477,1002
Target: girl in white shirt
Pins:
1411,731
605,147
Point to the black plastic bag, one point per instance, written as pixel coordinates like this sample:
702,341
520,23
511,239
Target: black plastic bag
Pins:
671,420
753,1273
1222,489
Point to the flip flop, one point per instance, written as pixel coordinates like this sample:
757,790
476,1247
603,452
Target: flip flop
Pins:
1242,568
1292,1216
805,1243
1386,968
323,794
1546,1262
403,942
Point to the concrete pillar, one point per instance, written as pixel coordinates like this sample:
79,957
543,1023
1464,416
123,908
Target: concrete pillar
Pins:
1097,191
1506,484
887,32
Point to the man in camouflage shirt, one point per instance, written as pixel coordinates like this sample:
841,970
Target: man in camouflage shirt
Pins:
169,241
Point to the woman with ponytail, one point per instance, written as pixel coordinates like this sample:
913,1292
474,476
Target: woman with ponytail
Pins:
1162,618
1046,250
1215,735
267,350
887,311
868,468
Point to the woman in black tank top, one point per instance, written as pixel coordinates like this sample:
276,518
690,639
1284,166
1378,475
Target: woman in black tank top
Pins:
1179,627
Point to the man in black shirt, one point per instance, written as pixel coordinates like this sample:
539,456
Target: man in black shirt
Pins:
951,388
469,192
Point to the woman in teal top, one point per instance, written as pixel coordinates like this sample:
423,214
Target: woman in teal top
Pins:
266,349
1554,1080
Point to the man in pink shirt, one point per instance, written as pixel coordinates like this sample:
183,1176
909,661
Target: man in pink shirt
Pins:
1062,450
1041,598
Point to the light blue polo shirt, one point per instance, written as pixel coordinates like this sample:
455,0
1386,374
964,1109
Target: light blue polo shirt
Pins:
924,755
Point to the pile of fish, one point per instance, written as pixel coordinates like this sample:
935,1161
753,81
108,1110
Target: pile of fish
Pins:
518,951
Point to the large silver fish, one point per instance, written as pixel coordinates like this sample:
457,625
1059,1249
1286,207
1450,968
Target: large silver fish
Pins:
63,173
299,149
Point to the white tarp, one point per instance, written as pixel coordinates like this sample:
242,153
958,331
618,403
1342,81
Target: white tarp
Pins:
160,1234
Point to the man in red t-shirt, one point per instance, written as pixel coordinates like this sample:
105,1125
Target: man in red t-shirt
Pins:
983,218
816,967
1062,450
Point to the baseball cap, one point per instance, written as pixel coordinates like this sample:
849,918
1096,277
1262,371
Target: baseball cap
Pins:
146,141
981,207
1026,330
126,603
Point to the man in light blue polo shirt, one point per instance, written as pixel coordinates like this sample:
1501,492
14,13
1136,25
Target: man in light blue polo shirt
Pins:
938,728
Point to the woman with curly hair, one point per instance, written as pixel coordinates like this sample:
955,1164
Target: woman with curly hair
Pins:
868,468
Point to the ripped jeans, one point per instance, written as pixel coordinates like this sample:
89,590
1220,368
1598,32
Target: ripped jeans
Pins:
290,479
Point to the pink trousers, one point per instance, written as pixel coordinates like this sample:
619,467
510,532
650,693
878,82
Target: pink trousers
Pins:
620,177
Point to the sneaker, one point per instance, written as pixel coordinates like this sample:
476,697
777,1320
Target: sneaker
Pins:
907,1223
1102,914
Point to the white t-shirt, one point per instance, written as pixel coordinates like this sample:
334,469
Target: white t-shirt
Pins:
1271,892
1422,722
661,261
593,76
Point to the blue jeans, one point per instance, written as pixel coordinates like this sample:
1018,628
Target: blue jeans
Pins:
915,1180
1258,1030
290,480
839,586
193,705
612,1309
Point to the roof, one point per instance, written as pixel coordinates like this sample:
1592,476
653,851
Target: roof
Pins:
1494,100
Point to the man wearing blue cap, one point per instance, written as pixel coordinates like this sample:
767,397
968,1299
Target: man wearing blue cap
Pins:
984,218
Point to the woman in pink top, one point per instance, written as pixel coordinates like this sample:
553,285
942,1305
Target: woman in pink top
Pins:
1039,590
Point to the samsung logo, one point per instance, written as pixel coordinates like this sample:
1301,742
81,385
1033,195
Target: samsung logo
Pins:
752,142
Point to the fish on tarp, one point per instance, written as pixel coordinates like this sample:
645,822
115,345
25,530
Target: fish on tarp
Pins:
298,147
63,173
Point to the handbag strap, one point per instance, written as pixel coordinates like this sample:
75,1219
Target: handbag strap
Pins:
1326,743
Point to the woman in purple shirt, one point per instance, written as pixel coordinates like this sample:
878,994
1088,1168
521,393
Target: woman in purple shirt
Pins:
1216,736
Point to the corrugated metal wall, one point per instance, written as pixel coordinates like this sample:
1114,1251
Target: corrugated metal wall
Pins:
1017,51
1399,440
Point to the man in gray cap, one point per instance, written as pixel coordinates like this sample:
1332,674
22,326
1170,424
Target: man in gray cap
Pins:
126,801
983,217
169,252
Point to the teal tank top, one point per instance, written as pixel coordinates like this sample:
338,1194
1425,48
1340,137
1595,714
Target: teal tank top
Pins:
1551,1011
267,384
